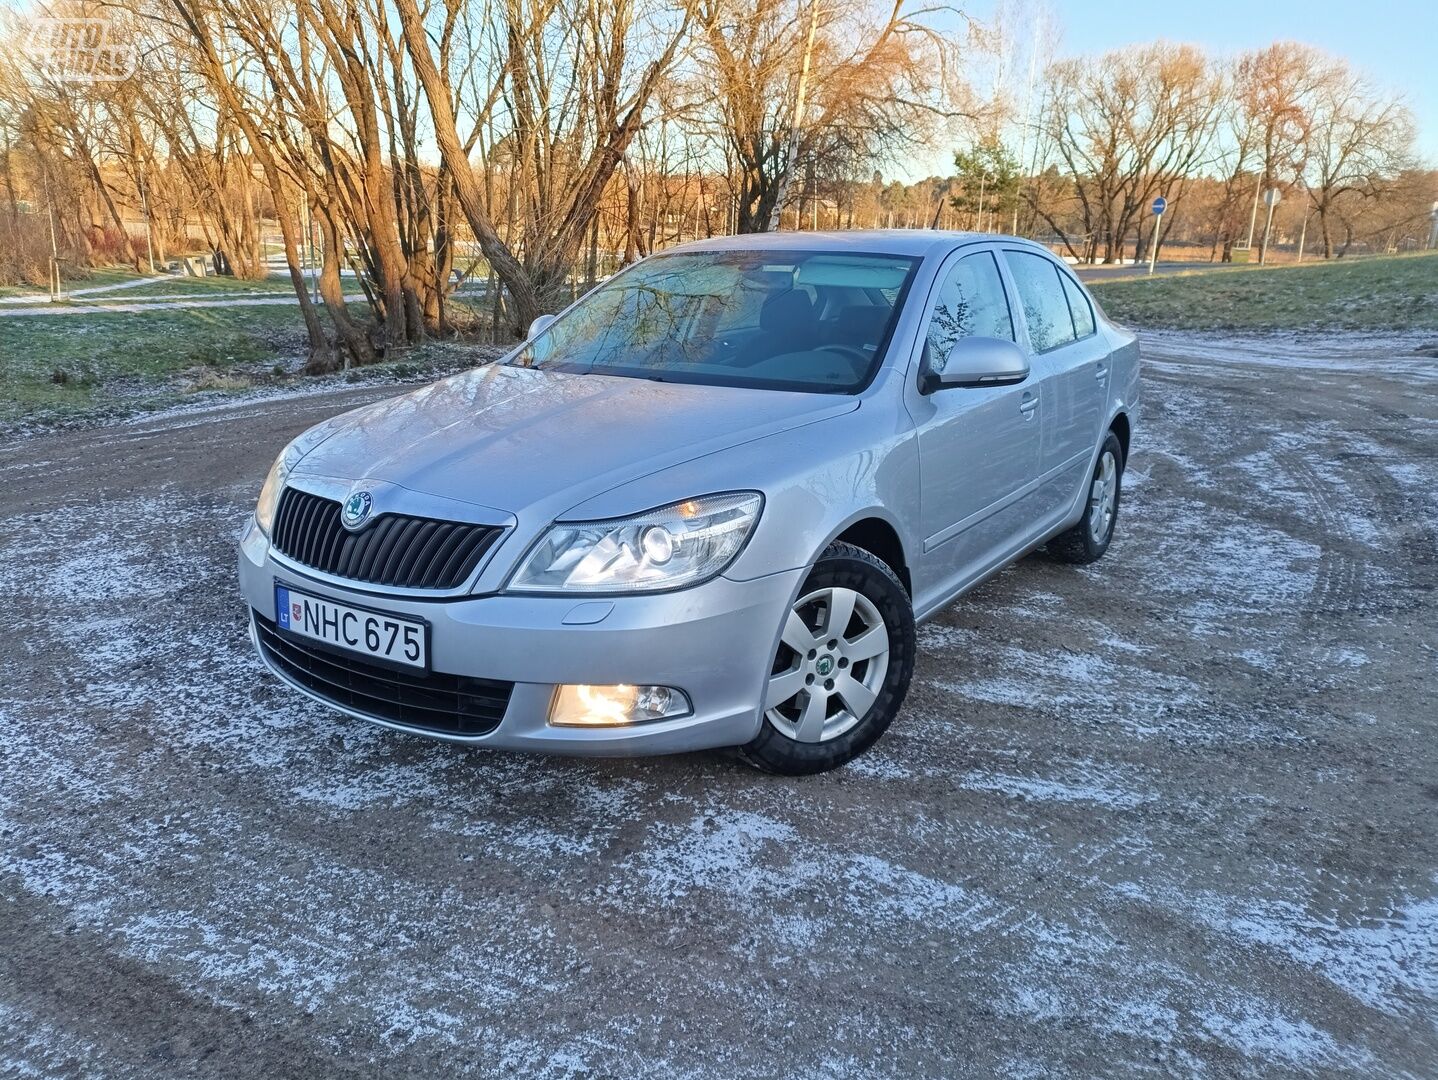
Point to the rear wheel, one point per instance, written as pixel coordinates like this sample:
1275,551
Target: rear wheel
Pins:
842,667
1089,539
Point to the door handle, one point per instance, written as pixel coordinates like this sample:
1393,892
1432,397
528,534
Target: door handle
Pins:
1101,372
1028,405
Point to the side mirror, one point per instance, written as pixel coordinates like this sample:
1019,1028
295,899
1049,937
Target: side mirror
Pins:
539,325
977,361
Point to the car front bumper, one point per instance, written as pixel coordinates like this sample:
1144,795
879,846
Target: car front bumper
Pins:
715,642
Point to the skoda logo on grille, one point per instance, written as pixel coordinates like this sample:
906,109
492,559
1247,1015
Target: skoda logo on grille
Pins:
356,509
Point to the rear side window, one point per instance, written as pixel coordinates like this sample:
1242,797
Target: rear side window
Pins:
971,303
1041,292
1079,307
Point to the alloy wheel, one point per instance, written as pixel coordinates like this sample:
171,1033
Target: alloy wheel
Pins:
833,655
1103,498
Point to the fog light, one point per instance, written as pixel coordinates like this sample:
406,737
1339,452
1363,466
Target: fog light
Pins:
616,706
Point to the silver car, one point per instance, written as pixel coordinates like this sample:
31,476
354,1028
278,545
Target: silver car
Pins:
704,506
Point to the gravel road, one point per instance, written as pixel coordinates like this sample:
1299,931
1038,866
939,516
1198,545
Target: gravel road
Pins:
1174,813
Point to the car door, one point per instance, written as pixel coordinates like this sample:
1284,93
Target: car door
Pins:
978,446
1065,343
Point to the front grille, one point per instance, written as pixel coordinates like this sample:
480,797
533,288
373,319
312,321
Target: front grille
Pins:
394,549
435,702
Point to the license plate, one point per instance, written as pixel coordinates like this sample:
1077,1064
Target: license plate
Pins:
371,633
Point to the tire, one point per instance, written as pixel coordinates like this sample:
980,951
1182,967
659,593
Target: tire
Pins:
845,695
1089,539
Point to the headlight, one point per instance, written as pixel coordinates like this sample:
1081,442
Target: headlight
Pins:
274,484
676,545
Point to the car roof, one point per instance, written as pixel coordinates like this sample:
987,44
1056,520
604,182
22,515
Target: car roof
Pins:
921,242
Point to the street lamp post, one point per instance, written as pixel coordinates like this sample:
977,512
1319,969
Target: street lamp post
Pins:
1272,198
1253,217
56,288
145,209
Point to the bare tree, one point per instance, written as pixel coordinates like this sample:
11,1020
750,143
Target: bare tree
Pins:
793,81
1127,126
1274,88
576,99
1359,141
196,20
575,135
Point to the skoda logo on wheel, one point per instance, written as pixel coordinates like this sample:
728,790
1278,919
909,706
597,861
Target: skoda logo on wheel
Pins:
825,666
356,509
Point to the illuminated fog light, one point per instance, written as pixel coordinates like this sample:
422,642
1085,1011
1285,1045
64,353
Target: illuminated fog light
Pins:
615,706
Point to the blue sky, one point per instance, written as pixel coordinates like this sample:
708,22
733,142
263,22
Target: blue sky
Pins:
1394,41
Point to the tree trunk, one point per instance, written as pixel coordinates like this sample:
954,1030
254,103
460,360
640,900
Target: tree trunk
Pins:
506,266
632,210
132,256
221,84
352,337
593,268
796,125
319,342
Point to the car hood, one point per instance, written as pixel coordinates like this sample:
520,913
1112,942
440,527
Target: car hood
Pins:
513,438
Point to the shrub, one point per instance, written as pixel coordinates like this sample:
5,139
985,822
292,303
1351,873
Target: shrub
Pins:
24,249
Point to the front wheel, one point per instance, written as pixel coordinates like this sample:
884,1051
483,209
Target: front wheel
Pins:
842,668
1089,539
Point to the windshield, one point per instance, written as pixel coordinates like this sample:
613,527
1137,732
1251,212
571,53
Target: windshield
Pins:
781,320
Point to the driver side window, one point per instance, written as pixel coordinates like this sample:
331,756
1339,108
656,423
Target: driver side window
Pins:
971,303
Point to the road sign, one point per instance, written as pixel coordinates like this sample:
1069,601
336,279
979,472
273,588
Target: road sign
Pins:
1160,204
1271,197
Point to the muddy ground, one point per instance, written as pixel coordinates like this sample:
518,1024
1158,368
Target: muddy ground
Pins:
1172,814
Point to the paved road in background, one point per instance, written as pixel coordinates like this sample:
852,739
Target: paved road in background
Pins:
1115,273
1172,814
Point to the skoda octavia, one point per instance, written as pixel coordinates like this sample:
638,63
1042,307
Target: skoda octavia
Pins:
704,506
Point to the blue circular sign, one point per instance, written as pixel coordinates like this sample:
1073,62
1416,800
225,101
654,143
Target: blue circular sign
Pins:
1160,204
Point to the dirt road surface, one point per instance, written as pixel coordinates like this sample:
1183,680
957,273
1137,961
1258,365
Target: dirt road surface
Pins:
1172,814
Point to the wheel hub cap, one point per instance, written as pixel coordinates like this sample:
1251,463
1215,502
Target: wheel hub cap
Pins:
833,655
1103,498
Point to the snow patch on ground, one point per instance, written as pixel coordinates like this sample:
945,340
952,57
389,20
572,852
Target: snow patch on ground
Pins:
1260,1033
1388,963
1044,790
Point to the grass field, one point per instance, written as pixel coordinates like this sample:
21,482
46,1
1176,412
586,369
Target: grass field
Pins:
1394,293
58,365
104,276
55,367
61,364
62,369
